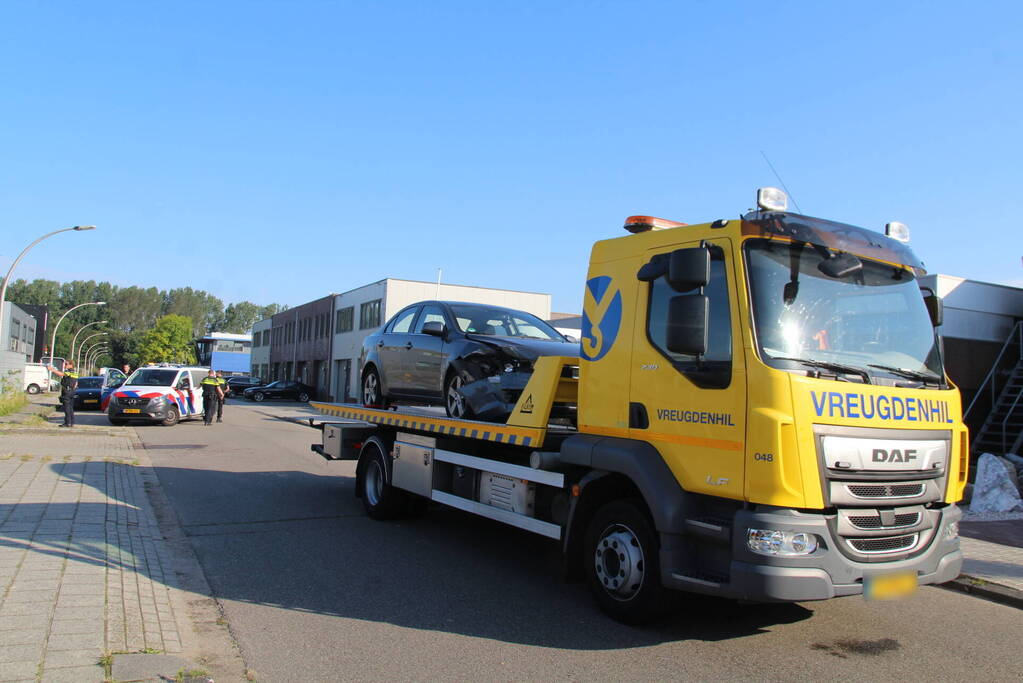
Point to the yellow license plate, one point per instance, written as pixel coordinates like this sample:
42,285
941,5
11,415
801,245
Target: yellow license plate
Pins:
91,400
889,586
133,410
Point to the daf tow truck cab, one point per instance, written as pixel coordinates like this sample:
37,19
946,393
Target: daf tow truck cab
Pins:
762,415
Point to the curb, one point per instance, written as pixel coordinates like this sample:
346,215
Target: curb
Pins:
983,588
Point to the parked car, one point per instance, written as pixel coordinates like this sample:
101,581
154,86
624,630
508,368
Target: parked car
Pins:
238,385
87,395
441,351
282,389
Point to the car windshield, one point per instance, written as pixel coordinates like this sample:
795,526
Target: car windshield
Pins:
865,318
90,382
151,377
503,323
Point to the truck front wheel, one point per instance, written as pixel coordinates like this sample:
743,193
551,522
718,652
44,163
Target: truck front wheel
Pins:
381,500
621,562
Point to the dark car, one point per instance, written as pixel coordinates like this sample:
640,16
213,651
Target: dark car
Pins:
282,389
238,385
87,395
439,351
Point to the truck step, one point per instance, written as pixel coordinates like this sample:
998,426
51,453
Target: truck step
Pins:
706,580
710,528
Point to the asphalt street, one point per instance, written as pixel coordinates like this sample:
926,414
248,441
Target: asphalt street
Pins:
313,590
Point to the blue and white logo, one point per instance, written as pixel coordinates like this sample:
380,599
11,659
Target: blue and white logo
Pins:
603,305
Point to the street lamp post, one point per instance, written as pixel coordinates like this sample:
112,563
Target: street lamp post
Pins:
7,278
53,337
75,339
95,346
79,357
94,351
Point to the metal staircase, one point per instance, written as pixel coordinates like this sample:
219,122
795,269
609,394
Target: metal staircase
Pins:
1002,430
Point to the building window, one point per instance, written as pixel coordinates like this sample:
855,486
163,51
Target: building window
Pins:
369,315
345,320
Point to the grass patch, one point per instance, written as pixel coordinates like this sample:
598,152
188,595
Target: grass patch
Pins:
187,674
36,420
12,402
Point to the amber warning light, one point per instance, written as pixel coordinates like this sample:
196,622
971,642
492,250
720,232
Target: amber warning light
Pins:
644,223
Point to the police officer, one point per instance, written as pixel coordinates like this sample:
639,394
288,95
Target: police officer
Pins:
68,384
212,394
224,387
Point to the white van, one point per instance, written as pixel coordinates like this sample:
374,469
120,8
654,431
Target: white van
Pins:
37,378
155,393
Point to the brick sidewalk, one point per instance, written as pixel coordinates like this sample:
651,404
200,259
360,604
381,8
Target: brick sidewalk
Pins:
993,562
84,568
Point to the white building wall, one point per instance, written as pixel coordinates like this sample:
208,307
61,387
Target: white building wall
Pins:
396,295
979,311
260,358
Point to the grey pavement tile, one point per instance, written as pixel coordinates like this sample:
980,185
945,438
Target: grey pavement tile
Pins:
81,589
29,621
22,636
20,609
73,641
81,600
31,596
65,658
12,671
78,674
31,652
27,582
94,625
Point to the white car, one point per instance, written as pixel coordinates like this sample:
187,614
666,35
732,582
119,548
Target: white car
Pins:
156,393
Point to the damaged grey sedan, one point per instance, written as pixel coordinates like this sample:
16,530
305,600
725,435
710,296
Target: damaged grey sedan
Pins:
473,358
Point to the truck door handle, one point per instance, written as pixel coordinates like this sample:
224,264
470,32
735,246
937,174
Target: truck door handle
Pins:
380,343
408,345
637,416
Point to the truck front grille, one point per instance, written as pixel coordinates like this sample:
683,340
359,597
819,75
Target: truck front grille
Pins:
874,521
886,544
886,490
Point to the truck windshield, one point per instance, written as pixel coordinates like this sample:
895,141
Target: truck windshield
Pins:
870,321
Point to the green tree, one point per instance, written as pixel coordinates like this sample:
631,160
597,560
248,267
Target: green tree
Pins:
239,317
134,308
170,341
203,308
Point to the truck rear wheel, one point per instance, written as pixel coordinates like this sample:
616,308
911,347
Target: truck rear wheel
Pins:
622,565
33,389
381,500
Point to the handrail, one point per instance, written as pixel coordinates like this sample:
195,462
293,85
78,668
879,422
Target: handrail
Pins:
1008,414
994,366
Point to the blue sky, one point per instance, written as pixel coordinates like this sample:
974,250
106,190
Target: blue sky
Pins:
277,151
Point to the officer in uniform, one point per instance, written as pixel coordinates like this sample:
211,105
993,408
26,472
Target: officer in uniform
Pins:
212,394
68,384
224,387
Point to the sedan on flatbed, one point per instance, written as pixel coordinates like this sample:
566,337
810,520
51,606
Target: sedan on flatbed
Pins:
475,359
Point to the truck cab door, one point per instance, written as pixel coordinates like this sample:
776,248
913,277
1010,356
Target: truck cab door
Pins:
691,406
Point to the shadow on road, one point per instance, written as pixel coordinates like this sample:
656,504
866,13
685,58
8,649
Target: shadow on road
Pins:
319,553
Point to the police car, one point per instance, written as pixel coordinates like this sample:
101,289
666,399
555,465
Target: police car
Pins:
157,393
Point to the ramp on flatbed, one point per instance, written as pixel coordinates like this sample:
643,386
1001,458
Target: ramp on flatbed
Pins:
422,421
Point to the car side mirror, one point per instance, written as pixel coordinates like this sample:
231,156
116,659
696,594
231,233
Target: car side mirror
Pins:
687,324
689,269
434,328
935,307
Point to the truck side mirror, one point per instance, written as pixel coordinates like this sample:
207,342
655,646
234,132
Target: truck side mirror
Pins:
935,307
434,328
687,324
689,269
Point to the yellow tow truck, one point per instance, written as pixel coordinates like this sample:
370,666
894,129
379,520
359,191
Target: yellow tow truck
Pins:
762,414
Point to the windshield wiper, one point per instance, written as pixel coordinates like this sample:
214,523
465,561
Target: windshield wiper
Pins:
827,365
909,374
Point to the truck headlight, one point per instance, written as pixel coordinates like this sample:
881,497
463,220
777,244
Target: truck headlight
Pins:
781,543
